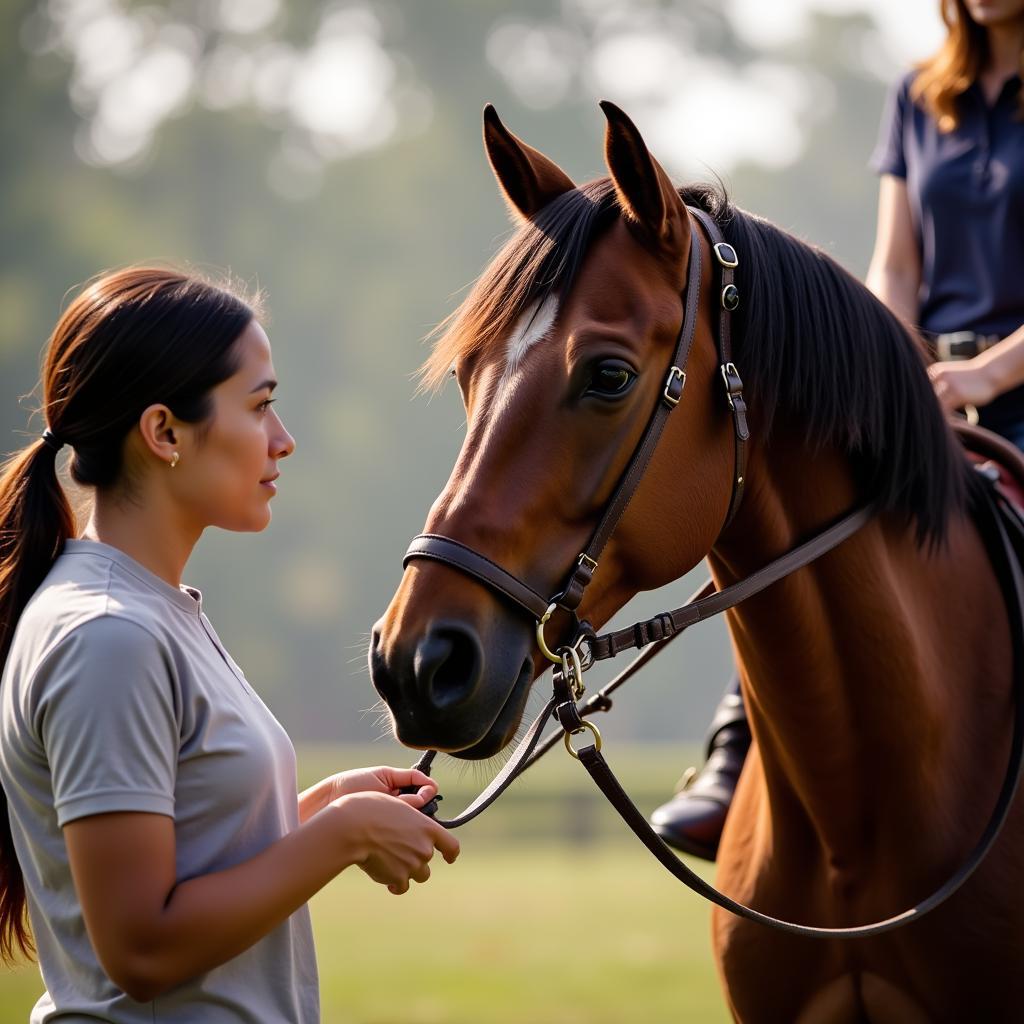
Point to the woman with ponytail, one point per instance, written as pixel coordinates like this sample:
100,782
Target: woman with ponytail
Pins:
153,850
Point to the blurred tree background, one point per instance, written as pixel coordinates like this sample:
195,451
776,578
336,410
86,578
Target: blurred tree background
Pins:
330,154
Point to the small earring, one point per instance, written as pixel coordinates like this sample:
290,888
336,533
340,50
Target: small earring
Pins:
174,459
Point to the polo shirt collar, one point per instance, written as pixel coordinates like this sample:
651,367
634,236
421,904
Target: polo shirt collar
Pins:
187,598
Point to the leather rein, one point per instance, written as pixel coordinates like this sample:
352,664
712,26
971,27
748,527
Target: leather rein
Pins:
574,658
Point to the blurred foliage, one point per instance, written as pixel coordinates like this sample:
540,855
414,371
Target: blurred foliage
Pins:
356,274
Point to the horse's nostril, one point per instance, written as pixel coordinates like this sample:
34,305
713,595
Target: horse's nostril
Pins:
448,666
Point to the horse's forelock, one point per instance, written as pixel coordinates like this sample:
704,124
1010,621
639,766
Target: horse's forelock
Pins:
542,258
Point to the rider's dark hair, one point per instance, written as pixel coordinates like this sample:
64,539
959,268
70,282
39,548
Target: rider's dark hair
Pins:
130,339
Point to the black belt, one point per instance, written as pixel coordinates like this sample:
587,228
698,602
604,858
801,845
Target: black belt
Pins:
960,344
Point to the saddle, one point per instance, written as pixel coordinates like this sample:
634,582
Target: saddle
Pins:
997,456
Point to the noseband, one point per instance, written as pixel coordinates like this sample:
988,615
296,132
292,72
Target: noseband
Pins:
573,658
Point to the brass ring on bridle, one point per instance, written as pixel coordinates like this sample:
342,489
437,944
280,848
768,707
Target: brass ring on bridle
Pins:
541,642
567,737
572,671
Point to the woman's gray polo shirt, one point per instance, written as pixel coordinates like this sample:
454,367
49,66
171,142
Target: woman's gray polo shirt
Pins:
117,695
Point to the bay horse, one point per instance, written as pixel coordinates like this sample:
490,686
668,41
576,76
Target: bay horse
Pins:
877,679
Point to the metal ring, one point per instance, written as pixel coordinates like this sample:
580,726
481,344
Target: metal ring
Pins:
586,725
585,651
541,642
572,671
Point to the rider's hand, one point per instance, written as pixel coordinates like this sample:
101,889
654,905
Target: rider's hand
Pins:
963,383
382,779
392,841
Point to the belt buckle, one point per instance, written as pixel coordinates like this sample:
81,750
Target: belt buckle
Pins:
957,345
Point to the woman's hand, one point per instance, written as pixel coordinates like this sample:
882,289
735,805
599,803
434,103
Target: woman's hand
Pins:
391,841
383,779
380,779
963,383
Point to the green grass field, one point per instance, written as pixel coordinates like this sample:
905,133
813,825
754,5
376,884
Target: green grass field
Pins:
521,928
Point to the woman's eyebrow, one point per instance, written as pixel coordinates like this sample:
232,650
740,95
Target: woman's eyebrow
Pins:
268,384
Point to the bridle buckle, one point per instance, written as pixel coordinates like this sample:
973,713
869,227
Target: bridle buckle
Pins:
733,384
674,384
726,255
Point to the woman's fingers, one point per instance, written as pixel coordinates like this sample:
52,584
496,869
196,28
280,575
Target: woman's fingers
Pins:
396,779
401,840
420,798
964,383
446,842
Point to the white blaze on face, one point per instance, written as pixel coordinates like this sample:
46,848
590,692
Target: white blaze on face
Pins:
531,327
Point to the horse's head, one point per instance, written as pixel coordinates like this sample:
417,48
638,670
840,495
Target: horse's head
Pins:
561,353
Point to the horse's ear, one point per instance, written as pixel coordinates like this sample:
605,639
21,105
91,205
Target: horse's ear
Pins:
645,192
527,177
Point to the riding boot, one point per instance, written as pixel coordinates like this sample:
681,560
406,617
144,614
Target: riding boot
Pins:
693,819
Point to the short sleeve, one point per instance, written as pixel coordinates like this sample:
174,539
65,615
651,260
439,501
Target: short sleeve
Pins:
106,716
889,156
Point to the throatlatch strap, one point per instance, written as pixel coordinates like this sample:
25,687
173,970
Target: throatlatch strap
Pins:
668,624
728,302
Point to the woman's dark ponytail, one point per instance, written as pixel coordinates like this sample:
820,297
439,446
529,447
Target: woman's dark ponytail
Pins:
132,338
35,521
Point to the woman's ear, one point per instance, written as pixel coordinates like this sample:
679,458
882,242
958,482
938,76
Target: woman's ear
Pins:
160,432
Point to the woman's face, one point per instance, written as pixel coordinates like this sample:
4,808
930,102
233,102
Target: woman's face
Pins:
989,13
225,476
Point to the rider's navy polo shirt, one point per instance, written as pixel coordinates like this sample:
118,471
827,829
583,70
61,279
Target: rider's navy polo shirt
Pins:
966,192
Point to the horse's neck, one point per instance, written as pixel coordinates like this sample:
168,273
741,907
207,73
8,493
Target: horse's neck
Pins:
848,665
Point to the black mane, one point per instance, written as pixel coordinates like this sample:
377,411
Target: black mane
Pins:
814,344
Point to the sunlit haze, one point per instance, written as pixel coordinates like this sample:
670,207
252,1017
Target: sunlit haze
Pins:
349,88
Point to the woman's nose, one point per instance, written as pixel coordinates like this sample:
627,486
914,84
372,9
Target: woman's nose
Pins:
284,443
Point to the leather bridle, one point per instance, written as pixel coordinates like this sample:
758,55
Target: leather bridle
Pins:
459,556
584,648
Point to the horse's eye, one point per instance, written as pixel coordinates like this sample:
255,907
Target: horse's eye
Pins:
611,379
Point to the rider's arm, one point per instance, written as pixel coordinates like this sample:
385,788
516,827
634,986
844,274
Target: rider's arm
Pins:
1004,362
979,380
895,271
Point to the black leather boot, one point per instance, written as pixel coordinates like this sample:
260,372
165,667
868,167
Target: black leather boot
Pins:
693,819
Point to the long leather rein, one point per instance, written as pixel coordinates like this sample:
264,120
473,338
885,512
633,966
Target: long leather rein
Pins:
998,521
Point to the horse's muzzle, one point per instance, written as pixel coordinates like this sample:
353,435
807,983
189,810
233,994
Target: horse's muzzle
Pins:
449,689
